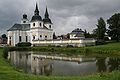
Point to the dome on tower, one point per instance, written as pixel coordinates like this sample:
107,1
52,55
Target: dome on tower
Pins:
36,16
24,16
47,19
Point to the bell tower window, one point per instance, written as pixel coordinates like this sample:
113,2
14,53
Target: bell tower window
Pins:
50,26
26,39
20,38
33,24
40,36
33,37
45,37
24,21
40,24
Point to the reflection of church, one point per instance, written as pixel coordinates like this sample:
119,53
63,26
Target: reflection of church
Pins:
31,65
37,64
27,31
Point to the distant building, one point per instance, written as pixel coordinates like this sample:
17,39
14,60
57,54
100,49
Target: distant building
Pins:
77,34
3,40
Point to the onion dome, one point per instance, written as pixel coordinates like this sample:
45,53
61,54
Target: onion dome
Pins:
36,16
47,19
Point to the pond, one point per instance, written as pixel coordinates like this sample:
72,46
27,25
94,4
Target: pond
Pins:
37,64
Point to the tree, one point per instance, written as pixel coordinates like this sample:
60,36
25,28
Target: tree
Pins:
87,34
101,29
54,36
68,36
114,27
4,36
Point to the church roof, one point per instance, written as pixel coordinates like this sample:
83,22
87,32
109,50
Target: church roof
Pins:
21,27
77,31
47,19
36,16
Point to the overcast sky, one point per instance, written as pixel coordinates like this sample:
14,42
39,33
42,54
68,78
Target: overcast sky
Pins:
66,15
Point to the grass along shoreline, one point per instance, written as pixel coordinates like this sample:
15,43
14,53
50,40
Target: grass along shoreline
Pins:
111,49
7,72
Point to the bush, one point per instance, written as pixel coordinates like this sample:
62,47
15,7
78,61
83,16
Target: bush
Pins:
69,46
23,44
5,52
100,42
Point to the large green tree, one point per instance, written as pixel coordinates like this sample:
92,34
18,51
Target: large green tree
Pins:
87,34
101,29
4,36
114,26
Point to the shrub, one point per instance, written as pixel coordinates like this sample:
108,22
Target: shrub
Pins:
5,52
86,51
23,44
69,46
100,42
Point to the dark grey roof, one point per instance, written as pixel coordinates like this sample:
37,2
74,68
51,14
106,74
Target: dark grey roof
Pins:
77,31
47,19
36,18
24,16
45,27
21,27
79,35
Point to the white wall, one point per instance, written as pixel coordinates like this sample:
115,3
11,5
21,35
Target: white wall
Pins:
15,36
37,24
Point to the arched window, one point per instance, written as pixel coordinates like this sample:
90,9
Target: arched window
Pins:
20,38
33,24
24,21
40,36
33,37
26,38
50,26
40,24
45,37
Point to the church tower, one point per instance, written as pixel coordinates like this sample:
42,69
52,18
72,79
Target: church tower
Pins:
24,19
47,21
40,29
36,20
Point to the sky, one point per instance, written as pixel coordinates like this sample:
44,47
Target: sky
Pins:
66,15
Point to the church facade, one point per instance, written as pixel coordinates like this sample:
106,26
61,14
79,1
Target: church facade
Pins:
29,31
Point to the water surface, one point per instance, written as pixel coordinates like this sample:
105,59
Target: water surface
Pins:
84,66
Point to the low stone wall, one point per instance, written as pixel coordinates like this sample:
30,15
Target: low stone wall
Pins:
2,45
75,42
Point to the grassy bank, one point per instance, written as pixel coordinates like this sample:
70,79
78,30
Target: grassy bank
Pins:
7,72
112,49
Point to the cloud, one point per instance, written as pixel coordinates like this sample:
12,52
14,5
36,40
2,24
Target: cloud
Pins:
65,14
71,23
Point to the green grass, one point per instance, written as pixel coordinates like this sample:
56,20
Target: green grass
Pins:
7,72
111,49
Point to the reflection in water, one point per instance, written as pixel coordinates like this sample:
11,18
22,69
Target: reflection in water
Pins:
42,66
101,64
114,64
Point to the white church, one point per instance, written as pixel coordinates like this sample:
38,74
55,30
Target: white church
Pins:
27,31
39,32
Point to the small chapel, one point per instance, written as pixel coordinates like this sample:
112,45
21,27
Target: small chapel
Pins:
37,28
